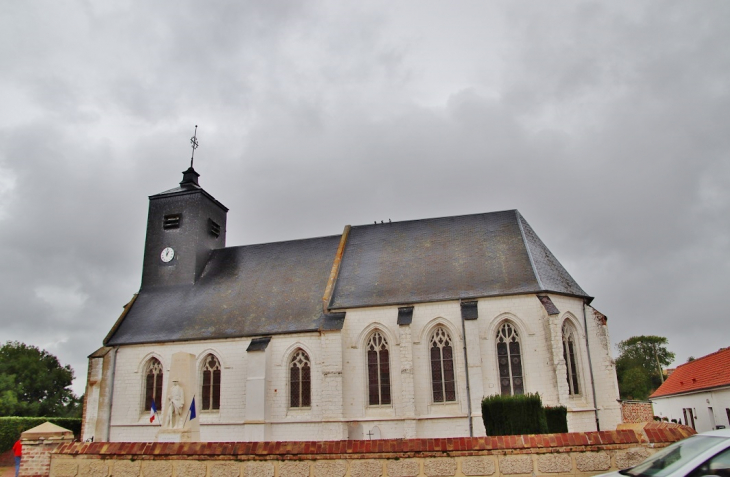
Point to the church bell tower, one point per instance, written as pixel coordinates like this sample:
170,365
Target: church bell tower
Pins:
184,225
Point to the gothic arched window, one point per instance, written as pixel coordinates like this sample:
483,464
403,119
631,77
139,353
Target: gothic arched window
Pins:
153,384
211,392
569,353
378,370
442,366
300,380
509,360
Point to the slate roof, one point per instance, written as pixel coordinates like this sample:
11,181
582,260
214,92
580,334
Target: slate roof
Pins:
243,291
708,372
266,289
448,258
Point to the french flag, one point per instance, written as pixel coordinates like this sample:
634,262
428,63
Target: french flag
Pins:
153,411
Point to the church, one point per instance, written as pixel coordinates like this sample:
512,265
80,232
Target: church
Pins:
388,330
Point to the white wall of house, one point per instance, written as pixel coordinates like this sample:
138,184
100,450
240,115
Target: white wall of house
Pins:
709,408
340,409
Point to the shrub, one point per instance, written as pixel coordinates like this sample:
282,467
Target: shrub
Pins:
12,427
513,415
557,419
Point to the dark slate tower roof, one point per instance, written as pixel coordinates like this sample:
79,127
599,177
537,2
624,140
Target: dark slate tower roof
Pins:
266,289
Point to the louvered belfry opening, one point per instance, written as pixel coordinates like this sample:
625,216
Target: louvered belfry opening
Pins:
171,221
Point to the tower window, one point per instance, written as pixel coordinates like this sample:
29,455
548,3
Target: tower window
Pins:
171,221
214,228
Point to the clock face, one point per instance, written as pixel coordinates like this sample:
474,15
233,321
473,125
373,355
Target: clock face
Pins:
167,254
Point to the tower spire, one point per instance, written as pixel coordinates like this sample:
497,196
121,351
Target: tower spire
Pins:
190,176
194,145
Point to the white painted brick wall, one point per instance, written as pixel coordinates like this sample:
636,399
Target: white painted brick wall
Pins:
339,379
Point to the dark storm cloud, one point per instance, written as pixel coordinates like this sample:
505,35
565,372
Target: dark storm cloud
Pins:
603,123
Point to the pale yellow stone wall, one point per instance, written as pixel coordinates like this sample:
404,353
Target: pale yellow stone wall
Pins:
578,464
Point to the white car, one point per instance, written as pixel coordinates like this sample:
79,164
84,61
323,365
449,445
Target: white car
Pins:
700,455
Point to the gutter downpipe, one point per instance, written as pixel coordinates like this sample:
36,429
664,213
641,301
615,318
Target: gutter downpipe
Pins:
111,395
590,367
466,368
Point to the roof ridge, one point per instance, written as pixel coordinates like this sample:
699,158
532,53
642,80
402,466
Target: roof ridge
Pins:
518,216
437,218
702,357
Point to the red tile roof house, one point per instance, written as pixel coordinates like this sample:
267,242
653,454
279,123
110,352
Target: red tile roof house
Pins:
697,393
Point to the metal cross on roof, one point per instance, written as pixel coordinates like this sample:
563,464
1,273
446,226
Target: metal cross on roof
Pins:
194,145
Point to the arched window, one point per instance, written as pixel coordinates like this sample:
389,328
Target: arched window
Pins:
378,370
211,392
153,384
509,360
442,366
570,358
300,380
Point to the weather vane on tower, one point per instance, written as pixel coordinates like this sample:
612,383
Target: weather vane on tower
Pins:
194,145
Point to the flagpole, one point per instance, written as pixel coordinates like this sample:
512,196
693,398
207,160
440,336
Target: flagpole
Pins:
158,418
189,408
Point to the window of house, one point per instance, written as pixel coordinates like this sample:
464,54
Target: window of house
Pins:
153,384
442,366
300,380
569,354
378,370
211,392
509,360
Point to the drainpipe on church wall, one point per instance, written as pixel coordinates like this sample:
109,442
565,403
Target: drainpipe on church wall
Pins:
466,368
590,367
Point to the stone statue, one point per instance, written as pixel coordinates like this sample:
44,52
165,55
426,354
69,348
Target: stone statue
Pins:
177,401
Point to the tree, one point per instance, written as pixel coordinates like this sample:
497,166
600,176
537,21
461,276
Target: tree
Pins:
33,383
639,365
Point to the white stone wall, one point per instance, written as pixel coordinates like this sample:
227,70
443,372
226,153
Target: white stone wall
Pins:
701,402
339,375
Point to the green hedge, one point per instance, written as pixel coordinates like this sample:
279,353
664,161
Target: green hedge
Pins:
557,419
12,427
514,415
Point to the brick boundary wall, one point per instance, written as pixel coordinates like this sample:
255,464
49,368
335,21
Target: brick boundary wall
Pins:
554,455
637,411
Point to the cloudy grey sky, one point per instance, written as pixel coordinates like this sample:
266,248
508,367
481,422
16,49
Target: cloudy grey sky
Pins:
605,123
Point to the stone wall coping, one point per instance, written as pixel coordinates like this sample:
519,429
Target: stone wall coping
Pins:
524,444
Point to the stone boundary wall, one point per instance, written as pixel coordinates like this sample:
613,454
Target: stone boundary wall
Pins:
554,455
637,411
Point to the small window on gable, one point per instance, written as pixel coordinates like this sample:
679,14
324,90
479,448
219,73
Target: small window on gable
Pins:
214,228
171,221
153,384
300,380
569,354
